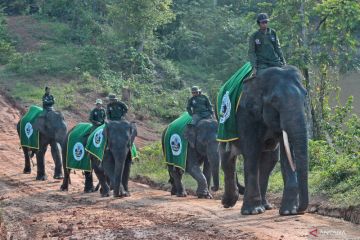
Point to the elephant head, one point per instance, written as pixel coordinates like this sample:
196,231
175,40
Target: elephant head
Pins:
117,160
202,138
52,125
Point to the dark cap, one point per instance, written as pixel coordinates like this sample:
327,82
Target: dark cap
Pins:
195,89
112,96
262,17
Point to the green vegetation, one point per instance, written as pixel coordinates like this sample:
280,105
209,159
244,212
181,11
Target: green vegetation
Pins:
158,48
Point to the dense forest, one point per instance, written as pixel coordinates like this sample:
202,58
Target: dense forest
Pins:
158,48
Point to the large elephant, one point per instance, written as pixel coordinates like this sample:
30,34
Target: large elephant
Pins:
202,149
52,131
270,119
116,163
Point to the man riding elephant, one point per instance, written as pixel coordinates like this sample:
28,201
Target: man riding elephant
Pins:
199,106
116,110
264,47
48,100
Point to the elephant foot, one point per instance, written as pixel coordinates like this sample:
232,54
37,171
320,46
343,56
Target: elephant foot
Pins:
229,200
121,194
252,210
27,170
89,189
181,194
215,188
267,205
41,177
58,176
64,188
205,196
289,203
289,208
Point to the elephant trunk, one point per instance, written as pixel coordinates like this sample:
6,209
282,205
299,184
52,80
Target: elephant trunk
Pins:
298,140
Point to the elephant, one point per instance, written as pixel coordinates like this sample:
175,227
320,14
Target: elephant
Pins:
271,122
116,163
202,149
52,130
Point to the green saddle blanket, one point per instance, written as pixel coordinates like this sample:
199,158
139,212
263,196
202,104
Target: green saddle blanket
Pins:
29,137
76,157
175,145
227,103
97,142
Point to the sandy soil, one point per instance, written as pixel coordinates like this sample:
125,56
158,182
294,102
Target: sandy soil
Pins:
32,209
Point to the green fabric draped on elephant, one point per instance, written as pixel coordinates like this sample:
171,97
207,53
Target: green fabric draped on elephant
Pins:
115,166
270,119
52,129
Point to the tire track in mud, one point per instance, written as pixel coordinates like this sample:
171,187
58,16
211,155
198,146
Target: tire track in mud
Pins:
37,209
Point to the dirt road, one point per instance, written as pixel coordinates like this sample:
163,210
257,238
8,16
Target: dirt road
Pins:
32,209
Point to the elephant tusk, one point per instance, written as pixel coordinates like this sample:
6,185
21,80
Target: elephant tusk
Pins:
287,150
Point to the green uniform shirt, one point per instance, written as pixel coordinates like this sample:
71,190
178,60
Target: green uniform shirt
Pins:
116,110
264,49
48,101
199,104
97,116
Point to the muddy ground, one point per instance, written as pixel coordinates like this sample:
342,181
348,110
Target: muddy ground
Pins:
32,209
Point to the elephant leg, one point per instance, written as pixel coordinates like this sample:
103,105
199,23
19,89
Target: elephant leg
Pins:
289,202
119,190
66,180
55,153
172,182
104,191
214,169
176,176
207,172
89,186
240,187
252,203
126,174
193,168
27,168
40,163
267,164
228,164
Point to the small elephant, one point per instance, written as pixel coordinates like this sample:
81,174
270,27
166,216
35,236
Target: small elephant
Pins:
202,149
115,166
271,119
52,130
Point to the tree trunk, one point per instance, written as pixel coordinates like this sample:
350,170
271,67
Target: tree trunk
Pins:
125,94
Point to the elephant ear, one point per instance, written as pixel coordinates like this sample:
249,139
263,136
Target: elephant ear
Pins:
190,134
133,131
39,124
251,99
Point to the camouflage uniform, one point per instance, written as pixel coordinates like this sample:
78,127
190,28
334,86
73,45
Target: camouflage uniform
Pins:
116,110
97,116
199,107
264,48
48,101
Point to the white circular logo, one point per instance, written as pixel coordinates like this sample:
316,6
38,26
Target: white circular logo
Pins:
28,129
225,108
175,143
98,137
78,151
